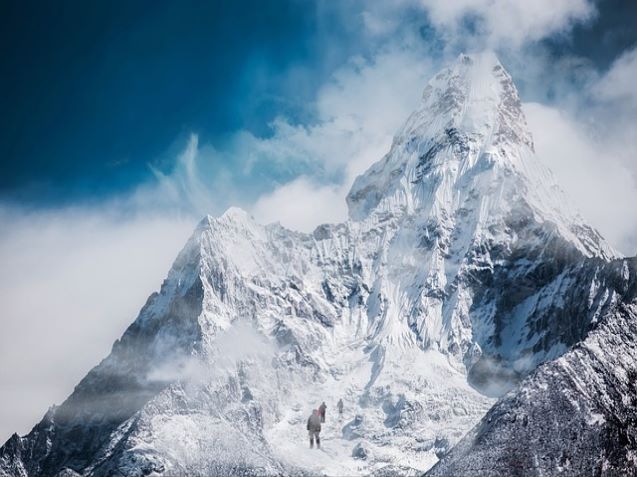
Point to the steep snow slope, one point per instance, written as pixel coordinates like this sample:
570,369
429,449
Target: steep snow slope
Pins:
574,416
460,270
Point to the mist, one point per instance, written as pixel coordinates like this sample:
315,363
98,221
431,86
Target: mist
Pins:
239,343
72,280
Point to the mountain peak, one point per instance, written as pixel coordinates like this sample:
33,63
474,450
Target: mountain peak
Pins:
487,60
236,214
466,156
481,68
234,218
476,95
469,118
485,56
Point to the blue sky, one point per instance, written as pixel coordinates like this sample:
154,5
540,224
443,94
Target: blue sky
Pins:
94,93
97,91
124,122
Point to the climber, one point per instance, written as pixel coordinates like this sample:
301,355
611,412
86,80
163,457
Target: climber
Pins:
340,408
322,409
314,428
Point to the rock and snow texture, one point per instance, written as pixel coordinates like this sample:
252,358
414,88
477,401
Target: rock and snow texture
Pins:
460,270
574,416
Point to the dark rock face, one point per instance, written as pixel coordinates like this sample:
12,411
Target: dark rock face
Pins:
573,416
354,429
359,452
562,295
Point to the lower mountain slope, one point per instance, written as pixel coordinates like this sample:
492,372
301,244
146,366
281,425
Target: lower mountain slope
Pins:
222,367
574,416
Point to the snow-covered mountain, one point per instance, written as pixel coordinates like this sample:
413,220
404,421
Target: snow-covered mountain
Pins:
460,270
575,416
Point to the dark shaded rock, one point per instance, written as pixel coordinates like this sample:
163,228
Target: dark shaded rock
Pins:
402,414
359,452
354,429
441,446
574,416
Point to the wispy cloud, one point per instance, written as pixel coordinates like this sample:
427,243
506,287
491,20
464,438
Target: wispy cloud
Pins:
618,84
495,23
357,113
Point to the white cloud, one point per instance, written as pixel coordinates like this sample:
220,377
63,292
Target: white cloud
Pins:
71,281
615,109
590,142
189,186
592,170
505,23
618,84
301,205
358,111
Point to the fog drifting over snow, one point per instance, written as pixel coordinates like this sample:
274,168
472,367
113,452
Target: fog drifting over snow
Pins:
241,342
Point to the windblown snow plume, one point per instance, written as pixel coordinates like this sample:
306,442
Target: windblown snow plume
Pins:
461,269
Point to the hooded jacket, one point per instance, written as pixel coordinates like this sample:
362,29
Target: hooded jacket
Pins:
314,422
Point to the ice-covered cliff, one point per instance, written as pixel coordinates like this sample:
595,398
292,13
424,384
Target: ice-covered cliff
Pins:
574,416
461,269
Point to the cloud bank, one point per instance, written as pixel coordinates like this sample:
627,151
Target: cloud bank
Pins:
71,281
